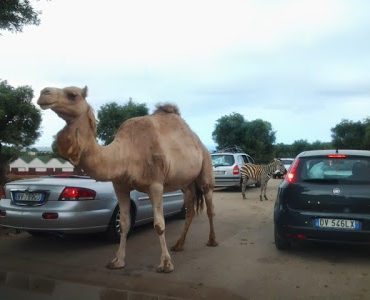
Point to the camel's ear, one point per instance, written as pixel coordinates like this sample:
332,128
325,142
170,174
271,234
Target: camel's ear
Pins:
84,92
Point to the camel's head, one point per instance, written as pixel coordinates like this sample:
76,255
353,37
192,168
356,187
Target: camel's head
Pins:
69,103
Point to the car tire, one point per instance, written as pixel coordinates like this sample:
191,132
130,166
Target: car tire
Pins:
182,213
280,242
114,232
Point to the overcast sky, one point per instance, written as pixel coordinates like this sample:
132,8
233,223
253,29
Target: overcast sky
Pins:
303,66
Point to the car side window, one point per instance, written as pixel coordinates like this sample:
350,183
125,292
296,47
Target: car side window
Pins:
251,160
240,160
245,159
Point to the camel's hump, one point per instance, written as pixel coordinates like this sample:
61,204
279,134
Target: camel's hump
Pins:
166,108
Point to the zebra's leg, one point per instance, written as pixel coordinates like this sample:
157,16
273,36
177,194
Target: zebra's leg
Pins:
265,187
263,184
244,187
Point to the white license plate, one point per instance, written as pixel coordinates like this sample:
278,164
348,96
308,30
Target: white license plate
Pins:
219,172
32,197
337,223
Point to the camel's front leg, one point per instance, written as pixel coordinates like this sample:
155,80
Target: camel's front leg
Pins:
156,196
123,196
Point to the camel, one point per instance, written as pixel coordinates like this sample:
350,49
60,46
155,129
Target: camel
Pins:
153,154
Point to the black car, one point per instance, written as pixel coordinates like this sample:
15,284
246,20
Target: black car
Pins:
325,196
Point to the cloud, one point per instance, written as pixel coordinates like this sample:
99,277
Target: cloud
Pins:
296,64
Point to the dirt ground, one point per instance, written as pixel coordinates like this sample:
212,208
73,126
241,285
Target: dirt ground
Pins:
245,265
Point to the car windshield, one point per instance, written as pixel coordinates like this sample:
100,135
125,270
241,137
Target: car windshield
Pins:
348,169
223,160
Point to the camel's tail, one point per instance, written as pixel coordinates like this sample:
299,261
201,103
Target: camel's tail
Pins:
199,199
167,109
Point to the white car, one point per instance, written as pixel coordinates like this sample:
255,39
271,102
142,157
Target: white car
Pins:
226,168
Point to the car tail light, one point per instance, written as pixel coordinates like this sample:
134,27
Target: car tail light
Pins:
74,193
2,213
290,176
301,236
236,170
2,192
337,156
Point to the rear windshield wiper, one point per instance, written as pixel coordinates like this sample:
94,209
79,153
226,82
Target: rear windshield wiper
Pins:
322,180
217,165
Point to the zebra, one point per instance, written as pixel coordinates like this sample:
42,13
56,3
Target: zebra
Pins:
260,174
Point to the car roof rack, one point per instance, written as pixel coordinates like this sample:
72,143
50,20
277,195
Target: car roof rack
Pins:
232,149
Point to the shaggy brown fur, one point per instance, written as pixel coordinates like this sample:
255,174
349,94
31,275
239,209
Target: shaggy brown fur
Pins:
152,154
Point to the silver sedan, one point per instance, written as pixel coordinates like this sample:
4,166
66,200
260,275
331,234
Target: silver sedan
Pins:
75,204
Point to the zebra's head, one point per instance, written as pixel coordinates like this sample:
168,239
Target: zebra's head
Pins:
278,165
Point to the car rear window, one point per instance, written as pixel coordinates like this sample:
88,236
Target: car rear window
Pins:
347,169
286,161
223,160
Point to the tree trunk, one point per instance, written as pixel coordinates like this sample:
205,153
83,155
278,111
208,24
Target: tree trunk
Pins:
4,168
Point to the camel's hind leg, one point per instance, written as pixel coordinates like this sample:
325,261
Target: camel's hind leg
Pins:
156,197
189,198
210,212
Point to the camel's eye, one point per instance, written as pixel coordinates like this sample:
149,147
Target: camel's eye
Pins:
71,95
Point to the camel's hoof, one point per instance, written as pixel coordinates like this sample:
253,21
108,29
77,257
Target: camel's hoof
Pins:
177,248
212,243
165,267
113,265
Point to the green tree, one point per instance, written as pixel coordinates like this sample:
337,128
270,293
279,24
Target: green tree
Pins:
230,131
255,137
366,141
14,14
19,123
259,140
112,115
350,135
283,150
300,146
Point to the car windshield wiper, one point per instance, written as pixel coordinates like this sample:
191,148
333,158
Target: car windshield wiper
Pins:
322,180
220,165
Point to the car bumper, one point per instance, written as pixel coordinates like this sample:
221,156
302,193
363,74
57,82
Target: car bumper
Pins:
298,225
230,181
72,216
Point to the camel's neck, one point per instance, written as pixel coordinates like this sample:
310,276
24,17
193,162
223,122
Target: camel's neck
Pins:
77,142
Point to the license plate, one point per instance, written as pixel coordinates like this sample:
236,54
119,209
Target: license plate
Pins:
337,223
219,172
29,197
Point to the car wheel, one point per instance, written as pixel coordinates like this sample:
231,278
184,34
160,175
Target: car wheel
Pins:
280,242
114,228
182,213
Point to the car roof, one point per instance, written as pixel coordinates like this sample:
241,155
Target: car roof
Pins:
333,151
229,153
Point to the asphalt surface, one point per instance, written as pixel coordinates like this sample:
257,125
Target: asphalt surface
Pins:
245,265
